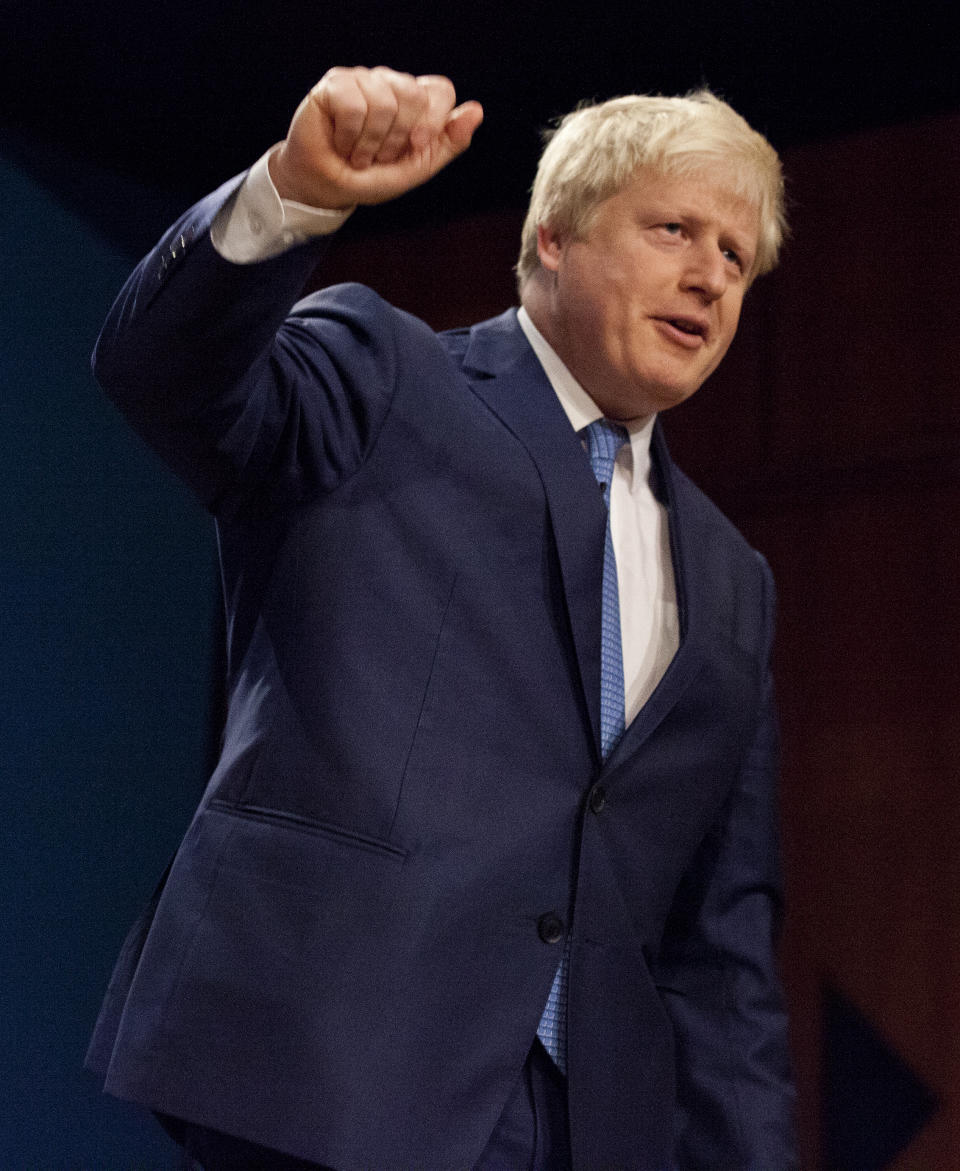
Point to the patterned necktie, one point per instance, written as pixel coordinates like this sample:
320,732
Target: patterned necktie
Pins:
604,440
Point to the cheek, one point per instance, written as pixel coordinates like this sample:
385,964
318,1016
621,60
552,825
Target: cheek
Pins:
594,300
622,307
602,286
731,319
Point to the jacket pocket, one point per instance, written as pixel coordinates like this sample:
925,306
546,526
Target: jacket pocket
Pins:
307,825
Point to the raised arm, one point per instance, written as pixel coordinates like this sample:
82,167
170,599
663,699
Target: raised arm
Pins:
198,351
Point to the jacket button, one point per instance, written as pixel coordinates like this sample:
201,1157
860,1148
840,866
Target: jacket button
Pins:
598,798
550,927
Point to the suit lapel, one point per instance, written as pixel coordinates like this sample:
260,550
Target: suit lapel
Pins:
688,662
506,374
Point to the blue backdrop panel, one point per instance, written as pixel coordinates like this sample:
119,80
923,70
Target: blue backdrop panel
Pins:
107,599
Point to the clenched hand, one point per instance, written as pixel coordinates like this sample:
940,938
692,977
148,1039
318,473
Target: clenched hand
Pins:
368,135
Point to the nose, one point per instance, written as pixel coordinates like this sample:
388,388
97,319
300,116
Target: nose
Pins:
706,271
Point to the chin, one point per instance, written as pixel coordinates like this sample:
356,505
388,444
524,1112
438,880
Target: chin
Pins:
640,396
662,398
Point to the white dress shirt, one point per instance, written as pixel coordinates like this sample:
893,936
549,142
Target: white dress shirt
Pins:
257,224
649,628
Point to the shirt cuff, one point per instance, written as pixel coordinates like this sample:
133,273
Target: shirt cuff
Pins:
257,224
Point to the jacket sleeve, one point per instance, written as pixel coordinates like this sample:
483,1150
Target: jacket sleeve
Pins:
241,395
717,974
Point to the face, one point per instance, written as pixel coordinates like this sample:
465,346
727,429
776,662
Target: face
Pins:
644,306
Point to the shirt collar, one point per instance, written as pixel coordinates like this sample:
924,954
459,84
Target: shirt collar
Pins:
578,406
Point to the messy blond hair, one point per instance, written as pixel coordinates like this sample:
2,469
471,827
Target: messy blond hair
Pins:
595,151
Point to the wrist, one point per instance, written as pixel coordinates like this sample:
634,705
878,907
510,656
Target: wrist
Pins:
303,189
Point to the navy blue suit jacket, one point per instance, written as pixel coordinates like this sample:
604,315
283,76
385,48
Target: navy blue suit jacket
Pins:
351,951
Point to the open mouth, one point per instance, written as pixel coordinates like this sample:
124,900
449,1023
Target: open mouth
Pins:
685,325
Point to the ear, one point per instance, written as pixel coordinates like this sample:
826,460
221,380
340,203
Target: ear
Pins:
549,247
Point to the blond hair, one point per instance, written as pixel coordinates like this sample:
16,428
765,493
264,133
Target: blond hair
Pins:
596,150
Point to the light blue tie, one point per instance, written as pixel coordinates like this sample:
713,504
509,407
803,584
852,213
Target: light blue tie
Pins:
604,440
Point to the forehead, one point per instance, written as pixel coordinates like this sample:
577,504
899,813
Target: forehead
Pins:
708,194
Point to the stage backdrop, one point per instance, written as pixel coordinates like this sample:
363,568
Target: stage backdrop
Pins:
107,599
831,436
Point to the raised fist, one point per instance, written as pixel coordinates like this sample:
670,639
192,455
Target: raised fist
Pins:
368,135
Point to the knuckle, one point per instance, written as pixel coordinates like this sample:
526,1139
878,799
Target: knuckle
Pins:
437,84
339,74
352,105
394,76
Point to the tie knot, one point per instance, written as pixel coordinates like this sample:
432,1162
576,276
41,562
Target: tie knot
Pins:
604,440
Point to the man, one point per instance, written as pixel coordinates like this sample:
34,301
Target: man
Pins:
486,875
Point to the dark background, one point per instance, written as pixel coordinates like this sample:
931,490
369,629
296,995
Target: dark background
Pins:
178,96
831,436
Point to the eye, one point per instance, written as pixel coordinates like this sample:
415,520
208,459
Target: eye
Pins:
673,228
734,257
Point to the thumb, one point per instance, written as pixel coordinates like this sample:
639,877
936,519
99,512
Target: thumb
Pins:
461,124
